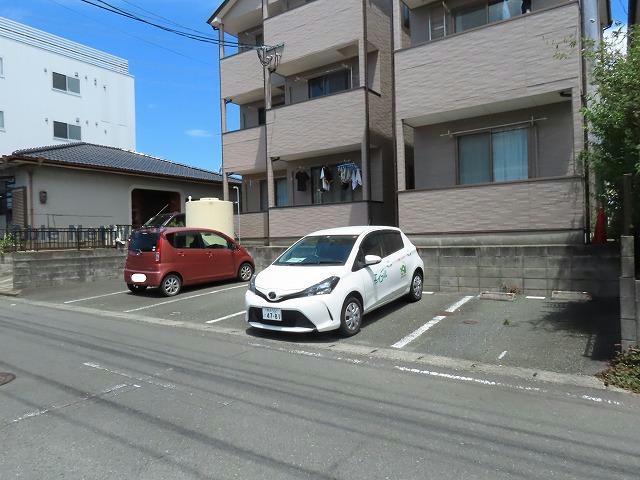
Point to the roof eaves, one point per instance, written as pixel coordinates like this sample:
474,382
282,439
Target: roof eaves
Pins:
83,166
218,10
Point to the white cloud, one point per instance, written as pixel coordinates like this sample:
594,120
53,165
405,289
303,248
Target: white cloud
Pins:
198,133
616,36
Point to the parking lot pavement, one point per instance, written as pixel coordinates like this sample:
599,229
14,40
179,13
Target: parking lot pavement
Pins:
566,337
530,333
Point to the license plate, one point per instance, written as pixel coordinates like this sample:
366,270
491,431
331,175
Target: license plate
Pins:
273,314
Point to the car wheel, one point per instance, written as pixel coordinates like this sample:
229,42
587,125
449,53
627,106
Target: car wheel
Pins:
351,316
136,288
171,285
415,291
245,272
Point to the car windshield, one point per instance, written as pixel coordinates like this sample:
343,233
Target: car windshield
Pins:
319,250
144,241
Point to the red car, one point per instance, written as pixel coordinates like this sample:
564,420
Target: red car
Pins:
170,258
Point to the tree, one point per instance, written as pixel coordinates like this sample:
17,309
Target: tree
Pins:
613,120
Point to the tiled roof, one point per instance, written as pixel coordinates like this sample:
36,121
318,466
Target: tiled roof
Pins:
102,157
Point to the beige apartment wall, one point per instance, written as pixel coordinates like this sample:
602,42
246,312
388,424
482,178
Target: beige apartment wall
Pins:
498,62
551,156
240,74
318,26
253,225
296,222
312,127
245,150
549,204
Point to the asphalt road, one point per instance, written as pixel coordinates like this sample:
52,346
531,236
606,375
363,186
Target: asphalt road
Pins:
100,398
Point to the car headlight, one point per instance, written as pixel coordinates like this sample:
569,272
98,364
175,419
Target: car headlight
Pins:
252,284
323,288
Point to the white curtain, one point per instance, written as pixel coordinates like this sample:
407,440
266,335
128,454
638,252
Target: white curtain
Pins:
510,155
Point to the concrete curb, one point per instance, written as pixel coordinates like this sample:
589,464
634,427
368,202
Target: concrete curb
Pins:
387,354
10,293
571,296
499,296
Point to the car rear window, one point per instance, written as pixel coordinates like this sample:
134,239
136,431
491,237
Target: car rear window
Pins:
144,241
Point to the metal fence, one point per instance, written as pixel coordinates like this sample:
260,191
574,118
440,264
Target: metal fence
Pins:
72,238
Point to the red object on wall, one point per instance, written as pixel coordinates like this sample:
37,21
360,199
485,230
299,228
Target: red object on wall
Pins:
600,233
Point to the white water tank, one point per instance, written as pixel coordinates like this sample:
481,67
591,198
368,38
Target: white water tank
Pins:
210,213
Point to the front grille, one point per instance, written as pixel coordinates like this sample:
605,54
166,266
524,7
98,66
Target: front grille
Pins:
290,319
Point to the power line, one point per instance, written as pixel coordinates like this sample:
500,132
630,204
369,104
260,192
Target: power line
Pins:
124,32
160,16
198,37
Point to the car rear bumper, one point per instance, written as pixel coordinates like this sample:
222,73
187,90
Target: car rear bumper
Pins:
298,315
140,277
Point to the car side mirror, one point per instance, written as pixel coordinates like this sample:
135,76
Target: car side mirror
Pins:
372,260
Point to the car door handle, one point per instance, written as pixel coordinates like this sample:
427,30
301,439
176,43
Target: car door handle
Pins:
181,254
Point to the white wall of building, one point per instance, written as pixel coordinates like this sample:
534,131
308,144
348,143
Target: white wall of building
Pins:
94,198
104,109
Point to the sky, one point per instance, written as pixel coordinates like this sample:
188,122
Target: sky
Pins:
177,80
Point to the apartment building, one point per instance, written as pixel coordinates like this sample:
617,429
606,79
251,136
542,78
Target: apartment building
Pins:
312,136
488,119
54,91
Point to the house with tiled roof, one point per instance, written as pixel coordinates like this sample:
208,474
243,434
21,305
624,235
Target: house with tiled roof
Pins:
95,185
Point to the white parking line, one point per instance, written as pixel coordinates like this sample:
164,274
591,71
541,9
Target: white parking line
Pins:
533,297
97,296
434,321
237,314
501,356
167,302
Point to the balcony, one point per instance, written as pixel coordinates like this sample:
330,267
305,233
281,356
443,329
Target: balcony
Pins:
541,204
242,77
253,226
496,64
244,150
315,33
325,125
295,222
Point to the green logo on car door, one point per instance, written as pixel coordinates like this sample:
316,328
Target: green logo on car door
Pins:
403,270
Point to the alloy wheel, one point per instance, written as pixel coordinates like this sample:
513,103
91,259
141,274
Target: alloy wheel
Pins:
417,286
171,285
352,316
246,272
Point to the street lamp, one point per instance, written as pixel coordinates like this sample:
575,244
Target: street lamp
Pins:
237,189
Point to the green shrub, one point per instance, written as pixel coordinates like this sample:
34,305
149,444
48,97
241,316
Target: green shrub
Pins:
624,371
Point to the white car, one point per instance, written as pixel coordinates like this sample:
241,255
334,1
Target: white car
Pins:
328,280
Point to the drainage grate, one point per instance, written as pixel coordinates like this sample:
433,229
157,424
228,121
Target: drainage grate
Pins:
6,377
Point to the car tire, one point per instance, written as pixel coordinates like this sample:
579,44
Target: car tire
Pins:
136,288
415,289
245,272
351,316
171,285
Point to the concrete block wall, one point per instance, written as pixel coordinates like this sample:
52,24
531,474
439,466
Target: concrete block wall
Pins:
39,269
531,270
629,295
6,273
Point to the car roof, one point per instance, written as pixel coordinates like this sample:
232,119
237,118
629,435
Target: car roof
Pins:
354,230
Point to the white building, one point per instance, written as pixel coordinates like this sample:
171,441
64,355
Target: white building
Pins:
54,91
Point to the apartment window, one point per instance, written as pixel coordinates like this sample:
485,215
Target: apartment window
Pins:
488,12
337,193
282,193
66,84
495,156
264,196
66,131
330,83
1,120
262,116
406,16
